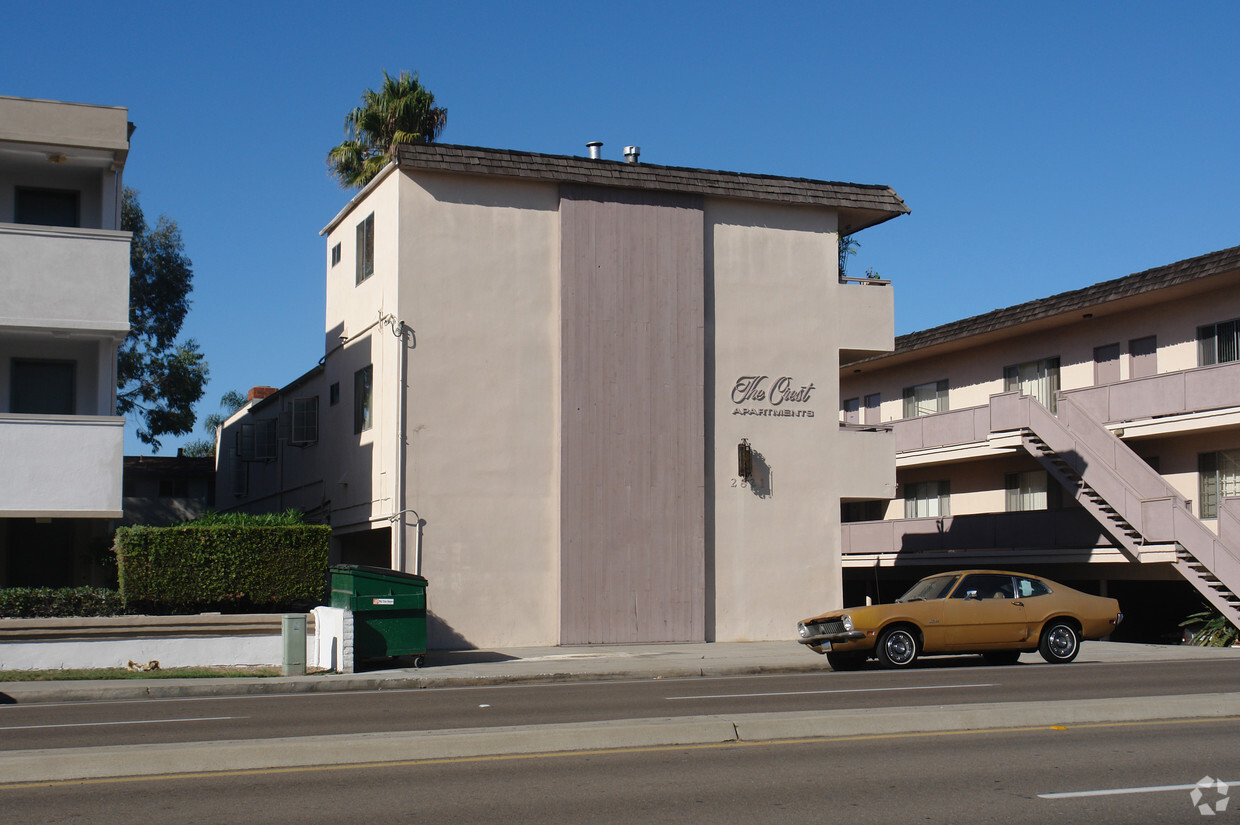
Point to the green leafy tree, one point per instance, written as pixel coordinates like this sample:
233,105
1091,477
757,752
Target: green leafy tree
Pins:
230,402
402,111
158,379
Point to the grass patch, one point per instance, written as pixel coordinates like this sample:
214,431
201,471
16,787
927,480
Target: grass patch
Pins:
79,674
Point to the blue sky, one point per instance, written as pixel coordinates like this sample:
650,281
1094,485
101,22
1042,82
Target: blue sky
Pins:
1041,147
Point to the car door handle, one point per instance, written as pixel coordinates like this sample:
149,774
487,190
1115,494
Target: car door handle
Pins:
1018,603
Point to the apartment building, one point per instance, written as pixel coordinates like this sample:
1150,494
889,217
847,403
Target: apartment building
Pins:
64,309
1092,436
591,400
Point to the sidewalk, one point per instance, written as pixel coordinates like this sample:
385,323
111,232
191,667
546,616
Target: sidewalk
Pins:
540,664
560,664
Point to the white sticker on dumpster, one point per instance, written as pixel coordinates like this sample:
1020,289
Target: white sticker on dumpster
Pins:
383,601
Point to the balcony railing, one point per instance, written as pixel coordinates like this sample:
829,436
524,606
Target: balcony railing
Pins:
1174,393
68,279
61,465
1071,529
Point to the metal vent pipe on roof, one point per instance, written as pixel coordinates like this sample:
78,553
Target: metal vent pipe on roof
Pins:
632,153
596,149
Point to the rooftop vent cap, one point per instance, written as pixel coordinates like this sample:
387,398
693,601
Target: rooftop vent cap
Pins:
632,153
596,149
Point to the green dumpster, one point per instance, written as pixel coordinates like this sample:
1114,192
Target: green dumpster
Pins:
389,610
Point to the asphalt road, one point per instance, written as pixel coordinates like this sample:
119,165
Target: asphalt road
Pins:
1096,774
963,681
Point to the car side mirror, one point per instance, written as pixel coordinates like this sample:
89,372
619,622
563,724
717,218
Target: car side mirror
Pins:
971,594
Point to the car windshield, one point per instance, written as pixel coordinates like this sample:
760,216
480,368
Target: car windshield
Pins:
935,587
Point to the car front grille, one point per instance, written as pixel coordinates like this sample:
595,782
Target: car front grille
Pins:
828,627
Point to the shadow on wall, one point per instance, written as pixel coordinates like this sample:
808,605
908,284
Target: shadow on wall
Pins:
760,483
442,636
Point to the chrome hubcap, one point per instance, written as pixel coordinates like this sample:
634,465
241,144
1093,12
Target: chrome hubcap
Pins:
1062,642
900,648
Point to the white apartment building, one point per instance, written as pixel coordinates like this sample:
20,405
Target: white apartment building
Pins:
539,379
64,309
1092,436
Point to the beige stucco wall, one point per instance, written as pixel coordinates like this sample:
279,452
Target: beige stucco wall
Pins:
776,555
479,284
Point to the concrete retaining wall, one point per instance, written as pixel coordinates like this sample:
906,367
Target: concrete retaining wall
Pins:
205,640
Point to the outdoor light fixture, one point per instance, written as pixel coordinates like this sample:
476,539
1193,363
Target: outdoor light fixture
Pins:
744,460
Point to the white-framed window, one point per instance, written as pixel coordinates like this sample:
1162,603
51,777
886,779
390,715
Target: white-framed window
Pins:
1218,343
1218,478
927,499
335,254
366,248
1039,379
925,399
305,429
1027,491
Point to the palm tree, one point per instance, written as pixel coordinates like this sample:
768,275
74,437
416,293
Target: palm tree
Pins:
402,111
231,401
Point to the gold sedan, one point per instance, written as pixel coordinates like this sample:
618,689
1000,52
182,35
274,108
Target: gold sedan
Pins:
996,613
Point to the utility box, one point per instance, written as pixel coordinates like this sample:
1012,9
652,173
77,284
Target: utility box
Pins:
293,633
389,610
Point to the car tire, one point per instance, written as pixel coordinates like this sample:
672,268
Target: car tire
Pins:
1002,657
845,661
897,647
1060,643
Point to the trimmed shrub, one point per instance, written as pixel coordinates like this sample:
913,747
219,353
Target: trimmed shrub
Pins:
54,602
228,568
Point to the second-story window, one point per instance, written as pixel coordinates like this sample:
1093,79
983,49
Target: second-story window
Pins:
925,399
927,499
1039,379
363,399
305,429
366,248
851,410
42,387
1218,343
1030,490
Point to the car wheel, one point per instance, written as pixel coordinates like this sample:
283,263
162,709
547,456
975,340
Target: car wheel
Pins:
897,647
1002,657
845,661
1060,642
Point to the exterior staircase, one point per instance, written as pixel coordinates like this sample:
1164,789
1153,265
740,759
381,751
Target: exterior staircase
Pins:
1148,519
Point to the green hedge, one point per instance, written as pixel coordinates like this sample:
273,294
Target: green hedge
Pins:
53,602
228,568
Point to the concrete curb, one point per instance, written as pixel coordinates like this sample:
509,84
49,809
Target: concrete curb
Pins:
354,749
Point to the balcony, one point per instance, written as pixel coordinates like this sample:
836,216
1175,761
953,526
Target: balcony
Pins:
61,465
1042,534
1194,399
865,462
64,279
865,318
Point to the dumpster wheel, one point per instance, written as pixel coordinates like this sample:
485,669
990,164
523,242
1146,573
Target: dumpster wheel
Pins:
418,661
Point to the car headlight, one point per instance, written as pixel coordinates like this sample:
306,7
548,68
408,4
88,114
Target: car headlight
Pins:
847,621
802,630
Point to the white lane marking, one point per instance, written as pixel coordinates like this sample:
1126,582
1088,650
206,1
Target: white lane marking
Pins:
1119,791
818,692
129,722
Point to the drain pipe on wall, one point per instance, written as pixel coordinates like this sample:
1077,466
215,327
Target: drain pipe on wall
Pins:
400,329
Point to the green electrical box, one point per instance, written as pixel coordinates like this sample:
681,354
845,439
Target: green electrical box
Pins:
389,610
293,632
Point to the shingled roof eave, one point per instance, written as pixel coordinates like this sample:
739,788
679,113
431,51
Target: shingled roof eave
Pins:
1139,283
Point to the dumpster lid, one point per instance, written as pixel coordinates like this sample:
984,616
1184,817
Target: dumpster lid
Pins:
382,572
